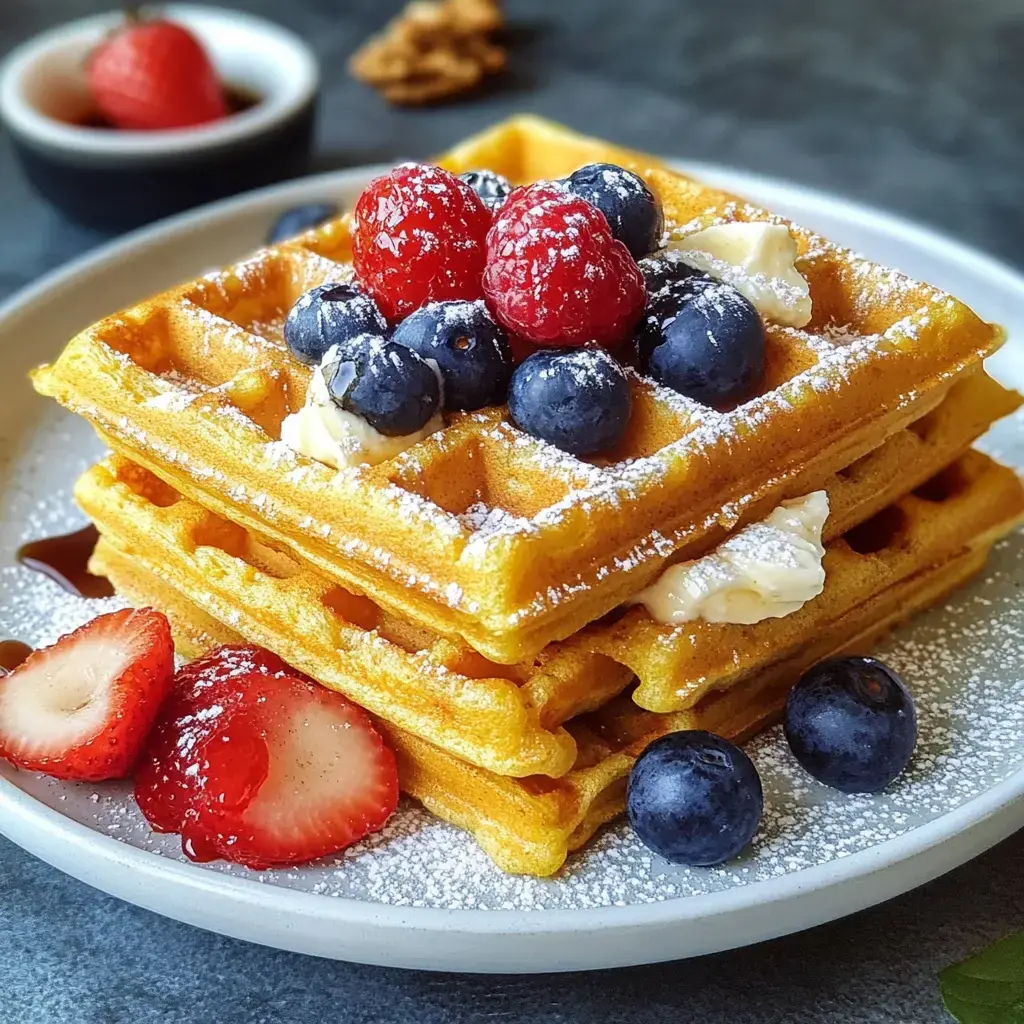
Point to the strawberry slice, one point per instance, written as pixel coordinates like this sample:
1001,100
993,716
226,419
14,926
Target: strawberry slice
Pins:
82,709
203,689
257,764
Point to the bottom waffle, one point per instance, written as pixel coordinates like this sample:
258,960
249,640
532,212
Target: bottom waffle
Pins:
530,824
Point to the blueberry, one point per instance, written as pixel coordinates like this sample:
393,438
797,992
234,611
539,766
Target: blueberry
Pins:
470,350
493,189
300,218
630,207
851,722
663,302
713,344
577,400
665,268
330,314
694,798
385,383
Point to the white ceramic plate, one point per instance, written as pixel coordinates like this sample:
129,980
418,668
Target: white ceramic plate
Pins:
422,895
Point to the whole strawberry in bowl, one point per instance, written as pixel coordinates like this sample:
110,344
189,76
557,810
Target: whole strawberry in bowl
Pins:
151,75
119,121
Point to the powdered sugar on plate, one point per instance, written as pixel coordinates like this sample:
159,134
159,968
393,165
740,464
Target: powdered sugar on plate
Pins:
964,661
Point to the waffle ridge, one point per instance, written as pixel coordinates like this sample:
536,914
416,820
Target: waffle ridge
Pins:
480,532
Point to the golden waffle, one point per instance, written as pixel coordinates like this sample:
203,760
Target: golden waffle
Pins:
529,825
505,719
677,665
480,531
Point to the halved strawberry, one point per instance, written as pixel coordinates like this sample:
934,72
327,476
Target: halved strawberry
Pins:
82,709
260,765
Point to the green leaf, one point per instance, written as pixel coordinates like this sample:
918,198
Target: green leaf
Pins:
987,988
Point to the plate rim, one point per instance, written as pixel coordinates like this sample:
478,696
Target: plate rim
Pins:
31,816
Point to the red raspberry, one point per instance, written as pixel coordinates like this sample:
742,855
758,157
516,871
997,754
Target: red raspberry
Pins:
555,275
419,235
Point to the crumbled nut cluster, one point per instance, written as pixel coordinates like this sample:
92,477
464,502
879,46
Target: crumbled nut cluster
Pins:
433,49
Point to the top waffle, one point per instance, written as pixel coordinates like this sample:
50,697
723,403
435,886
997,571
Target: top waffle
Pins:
481,531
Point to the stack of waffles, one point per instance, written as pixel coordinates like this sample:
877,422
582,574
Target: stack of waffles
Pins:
473,592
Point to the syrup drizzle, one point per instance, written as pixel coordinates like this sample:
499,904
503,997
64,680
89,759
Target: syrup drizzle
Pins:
65,560
12,654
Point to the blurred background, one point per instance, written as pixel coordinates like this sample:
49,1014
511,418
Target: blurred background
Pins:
912,105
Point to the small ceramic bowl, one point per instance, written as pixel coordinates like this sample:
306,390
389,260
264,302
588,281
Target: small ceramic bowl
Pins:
113,180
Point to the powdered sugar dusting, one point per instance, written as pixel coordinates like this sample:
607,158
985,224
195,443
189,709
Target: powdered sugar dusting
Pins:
484,521
964,661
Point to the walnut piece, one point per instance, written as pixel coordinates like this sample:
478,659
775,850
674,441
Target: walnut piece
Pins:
433,49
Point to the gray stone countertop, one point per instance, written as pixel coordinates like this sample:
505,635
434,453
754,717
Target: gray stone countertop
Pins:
915,106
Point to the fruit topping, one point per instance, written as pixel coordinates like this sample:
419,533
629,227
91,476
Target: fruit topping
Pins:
330,314
300,218
664,268
255,763
154,74
630,207
578,401
555,274
82,708
469,348
391,387
419,235
712,342
851,722
694,798
662,305
493,189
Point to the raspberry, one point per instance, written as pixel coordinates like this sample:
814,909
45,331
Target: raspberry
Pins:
555,275
419,235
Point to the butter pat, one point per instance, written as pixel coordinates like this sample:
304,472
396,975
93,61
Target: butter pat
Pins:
338,438
766,571
759,260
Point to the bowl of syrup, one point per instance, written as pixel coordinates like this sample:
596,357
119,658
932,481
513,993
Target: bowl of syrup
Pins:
112,179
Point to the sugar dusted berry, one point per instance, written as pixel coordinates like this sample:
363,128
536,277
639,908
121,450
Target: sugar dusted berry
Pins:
388,385
253,762
664,268
577,400
419,235
330,314
632,209
713,343
555,275
469,348
493,189
679,284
